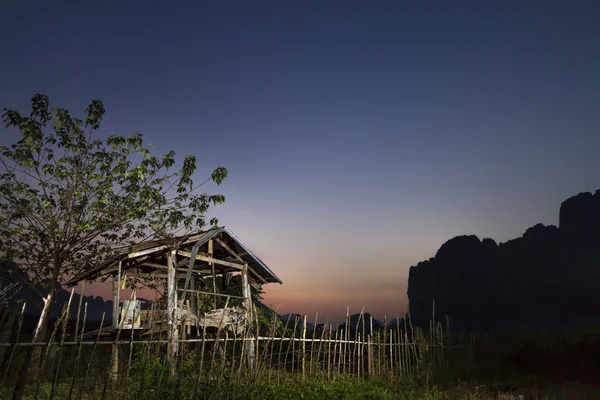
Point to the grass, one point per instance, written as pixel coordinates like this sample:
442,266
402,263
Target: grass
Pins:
290,387
473,374
433,365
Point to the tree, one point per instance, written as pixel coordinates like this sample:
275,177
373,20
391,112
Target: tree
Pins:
66,198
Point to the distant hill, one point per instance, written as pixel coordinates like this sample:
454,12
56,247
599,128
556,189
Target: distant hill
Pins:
356,320
547,279
393,324
32,293
292,320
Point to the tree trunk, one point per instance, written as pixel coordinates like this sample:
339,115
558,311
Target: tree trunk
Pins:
40,330
34,354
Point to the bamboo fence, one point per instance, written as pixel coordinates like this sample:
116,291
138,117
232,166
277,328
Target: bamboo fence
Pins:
272,350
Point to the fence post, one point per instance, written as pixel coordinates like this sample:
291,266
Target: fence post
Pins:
116,285
359,355
369,356
248,305
304,346
79,310
329,352
391,355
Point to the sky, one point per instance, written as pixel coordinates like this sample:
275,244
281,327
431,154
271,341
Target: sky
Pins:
359,136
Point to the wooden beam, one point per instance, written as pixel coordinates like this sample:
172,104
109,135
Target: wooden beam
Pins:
158,266
157,276
188,274
239,258
183,262
150,275
208,259
115,266
230,250
257,275
147,251
216,294
193,238
112,268
155,265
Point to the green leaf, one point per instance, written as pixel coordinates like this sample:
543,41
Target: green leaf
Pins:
219,175
89,194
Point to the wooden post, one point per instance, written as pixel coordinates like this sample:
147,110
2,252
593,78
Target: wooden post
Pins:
342,352
248,306
339,349
304,346
193,296
114,370
329,352
370,344
312,344
346,339
369,356
391,355
116,287
79,310
212,265
398,334
382,343
172,314
359,350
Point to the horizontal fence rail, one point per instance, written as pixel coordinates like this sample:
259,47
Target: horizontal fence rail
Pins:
208,340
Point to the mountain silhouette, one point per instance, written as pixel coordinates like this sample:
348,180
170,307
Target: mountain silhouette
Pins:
32,293
546,279
356,320
395,323
292,321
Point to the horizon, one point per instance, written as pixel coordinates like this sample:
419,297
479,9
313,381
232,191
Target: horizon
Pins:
104,290
358,138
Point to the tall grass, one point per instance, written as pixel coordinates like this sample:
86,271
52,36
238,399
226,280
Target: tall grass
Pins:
275,359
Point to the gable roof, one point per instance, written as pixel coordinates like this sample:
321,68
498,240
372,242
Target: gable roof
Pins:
128,254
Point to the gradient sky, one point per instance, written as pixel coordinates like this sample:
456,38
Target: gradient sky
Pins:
359,136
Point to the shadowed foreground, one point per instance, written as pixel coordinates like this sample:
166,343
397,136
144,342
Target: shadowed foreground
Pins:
288,362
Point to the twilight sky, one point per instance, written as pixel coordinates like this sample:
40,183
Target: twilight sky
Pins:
359,136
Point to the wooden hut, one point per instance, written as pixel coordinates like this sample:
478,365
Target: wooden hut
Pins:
184,264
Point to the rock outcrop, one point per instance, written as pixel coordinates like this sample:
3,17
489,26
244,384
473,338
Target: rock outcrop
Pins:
547,279
580,219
